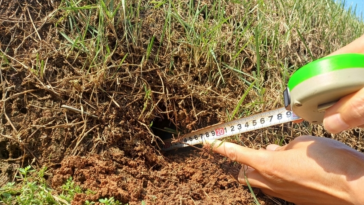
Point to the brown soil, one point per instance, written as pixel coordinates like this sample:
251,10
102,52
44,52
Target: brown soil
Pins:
186,178
115,153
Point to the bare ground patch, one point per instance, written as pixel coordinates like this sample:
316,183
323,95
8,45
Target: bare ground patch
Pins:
117,87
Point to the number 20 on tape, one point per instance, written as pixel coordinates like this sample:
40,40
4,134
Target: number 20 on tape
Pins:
219,131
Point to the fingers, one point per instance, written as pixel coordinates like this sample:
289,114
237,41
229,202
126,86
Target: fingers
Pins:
345,114
254,178
251,157
273,147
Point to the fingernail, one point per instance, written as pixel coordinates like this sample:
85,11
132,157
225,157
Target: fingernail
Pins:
273,147
334,124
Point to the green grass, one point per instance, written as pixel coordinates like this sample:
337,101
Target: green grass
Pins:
33,189
237,108
262,42
247,47
224,41
251,190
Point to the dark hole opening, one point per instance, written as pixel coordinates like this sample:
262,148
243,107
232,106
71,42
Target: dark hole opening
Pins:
4,153
164,128
23,110
17,152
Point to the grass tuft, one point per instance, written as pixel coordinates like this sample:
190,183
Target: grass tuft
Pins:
33,189
130,62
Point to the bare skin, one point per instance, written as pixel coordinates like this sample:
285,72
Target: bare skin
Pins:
349,111
346,114
309,170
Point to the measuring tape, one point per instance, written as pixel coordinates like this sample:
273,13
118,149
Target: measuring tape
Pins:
311,90
254,122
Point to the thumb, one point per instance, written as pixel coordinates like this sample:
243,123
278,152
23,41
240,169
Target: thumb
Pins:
273,147
345,114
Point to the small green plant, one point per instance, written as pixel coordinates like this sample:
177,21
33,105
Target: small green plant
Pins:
24,172
33,189
89,202
6,193
109,201
69,190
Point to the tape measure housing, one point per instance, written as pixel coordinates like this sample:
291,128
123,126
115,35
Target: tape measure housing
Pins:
321,83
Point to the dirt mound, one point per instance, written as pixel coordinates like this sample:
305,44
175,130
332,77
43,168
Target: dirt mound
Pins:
187,178
83,88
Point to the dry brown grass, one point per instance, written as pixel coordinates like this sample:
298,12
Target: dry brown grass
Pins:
124,67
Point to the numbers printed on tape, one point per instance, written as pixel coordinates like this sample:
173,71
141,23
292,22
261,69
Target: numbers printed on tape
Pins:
219,131
238,126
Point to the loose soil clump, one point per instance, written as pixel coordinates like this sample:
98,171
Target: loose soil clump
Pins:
184,178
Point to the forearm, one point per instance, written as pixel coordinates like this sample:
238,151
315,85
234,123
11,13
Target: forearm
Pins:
355,177
357,46
358,195
358,190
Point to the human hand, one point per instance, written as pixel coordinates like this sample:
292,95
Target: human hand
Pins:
349,111
309,170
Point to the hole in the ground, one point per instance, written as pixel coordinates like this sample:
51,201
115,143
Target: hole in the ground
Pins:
163,128
4,153
23,110
16,152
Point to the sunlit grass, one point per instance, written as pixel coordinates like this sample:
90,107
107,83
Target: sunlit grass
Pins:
251,46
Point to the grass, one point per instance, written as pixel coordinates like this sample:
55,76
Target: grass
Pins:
238,49
251,190
237,108
268,36
33,189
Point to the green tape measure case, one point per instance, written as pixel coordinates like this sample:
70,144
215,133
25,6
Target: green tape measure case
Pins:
319,84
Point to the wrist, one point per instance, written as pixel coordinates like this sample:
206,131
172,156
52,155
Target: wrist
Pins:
356,187
356,181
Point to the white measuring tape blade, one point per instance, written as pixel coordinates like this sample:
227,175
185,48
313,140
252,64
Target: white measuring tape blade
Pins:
214,132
